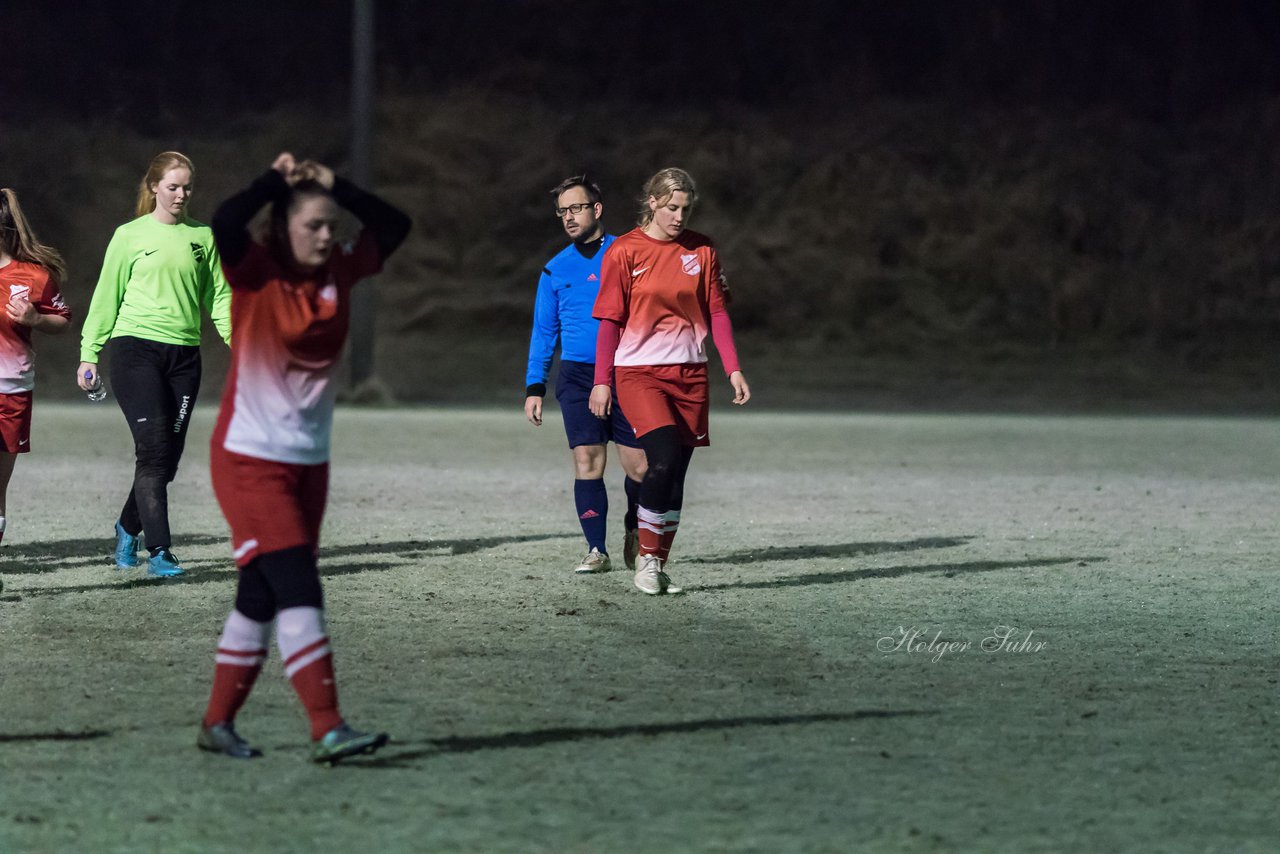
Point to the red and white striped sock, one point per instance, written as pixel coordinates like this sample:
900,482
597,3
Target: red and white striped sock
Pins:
241,651
308,663
651,527
670,525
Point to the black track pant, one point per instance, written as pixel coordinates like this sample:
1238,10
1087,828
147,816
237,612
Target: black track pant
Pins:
156,385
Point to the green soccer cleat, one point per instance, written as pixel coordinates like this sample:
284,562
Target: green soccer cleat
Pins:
343,741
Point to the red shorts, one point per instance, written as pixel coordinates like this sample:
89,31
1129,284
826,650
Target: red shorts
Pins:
656,396
15,423
270,506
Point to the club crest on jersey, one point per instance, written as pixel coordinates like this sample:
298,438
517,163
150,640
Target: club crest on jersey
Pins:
329,293
689,263
198,251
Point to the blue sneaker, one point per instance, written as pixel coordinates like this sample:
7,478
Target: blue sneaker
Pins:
126,548
163,565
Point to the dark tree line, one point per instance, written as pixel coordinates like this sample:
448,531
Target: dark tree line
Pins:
195,61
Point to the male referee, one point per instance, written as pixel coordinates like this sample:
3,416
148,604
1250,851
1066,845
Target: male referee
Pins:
562,313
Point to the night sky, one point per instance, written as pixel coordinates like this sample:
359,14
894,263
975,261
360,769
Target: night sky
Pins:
204,62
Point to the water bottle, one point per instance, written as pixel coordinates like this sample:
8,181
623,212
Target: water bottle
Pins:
99,391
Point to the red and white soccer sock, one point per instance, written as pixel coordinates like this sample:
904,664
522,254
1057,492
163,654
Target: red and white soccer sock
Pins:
308,662
241,651
670,525
651,526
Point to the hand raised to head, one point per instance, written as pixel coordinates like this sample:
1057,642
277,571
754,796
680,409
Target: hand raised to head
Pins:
284,164
309,170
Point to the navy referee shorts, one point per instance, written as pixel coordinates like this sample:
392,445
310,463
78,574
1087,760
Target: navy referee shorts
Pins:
573,392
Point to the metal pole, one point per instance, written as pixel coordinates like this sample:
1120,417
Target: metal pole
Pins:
362,93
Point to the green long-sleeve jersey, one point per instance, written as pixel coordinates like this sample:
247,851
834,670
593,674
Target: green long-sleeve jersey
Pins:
155,280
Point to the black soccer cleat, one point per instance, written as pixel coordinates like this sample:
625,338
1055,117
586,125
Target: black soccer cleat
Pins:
223,738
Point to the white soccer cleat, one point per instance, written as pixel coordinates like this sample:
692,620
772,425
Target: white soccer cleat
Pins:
593,562
651,579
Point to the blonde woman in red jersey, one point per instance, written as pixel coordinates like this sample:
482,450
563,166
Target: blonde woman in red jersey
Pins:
269,454
29,276
661,293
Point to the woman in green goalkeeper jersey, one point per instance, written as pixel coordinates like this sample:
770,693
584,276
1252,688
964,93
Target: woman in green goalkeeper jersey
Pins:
161,273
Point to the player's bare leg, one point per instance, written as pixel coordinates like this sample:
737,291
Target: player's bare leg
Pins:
7,462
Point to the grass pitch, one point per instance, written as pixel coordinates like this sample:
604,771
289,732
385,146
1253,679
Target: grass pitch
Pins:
901,633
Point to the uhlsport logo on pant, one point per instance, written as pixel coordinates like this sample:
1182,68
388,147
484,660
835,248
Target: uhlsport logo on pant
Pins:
182,413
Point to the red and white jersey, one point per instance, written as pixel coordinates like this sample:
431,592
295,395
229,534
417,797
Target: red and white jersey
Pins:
19,280
663,293
287,332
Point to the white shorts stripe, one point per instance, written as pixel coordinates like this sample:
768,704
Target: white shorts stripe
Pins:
245,547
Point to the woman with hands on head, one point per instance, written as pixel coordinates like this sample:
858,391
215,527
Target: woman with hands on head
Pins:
269,454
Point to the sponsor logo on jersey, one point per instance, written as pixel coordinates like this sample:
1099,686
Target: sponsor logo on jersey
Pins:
58,301
700,437
638,272
690,264
154,251
198,251
593,278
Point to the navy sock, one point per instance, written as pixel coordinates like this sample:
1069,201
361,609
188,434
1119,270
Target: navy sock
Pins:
632,488
592,501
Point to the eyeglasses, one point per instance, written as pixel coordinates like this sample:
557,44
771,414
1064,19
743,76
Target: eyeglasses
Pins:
574,209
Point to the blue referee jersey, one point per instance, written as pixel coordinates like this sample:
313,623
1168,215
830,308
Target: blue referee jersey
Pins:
562,311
